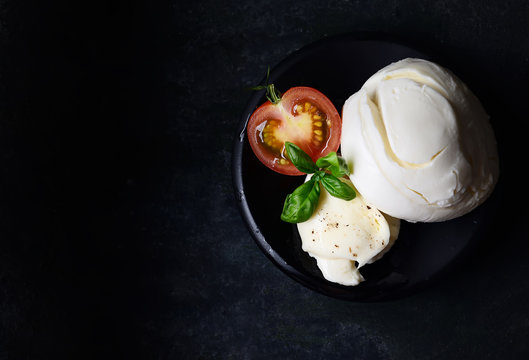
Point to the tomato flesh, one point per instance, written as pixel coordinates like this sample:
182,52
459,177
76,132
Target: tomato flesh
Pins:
305,117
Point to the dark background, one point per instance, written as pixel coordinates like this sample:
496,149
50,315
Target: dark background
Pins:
120,235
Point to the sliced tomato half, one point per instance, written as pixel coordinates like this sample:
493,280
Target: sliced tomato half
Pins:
303,116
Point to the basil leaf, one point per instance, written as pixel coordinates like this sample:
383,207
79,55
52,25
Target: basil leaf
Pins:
336,164
300,205
337,188
300,159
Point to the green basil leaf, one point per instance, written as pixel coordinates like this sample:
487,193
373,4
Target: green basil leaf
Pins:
336,164
337,188
300,205
300,159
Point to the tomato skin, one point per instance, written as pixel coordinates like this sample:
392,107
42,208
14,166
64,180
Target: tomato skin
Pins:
286,113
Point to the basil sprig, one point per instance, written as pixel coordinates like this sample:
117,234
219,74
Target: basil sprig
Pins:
300,205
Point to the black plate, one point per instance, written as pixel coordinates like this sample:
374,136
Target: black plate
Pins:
338,67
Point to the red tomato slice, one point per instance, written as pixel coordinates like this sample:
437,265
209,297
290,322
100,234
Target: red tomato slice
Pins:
303,116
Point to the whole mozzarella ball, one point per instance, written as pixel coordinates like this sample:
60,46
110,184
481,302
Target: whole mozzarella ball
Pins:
419,143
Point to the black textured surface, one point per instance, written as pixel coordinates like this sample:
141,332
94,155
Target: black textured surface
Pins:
119,231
